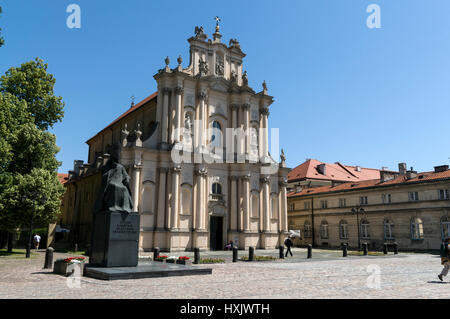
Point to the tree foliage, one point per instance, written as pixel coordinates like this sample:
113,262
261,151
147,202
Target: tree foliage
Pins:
2,41
31,83
28,165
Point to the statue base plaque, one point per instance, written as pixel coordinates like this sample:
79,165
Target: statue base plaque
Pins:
115,239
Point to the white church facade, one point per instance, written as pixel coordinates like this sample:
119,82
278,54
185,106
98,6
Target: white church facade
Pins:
196,181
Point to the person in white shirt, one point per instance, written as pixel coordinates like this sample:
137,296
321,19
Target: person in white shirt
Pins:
37,239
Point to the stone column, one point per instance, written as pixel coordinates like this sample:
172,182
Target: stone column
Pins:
234,124
178,116
136,179
266,203
246,146
264,143
283,205
246,193
201,200
165,115
175,196
200,136
233,210
161,197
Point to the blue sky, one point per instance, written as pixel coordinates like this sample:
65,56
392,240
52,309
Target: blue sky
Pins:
343,92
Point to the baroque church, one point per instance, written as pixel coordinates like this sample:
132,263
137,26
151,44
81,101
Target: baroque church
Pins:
209,197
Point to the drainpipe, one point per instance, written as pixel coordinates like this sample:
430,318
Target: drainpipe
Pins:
312,221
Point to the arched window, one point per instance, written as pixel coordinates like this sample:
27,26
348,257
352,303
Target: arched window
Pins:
416,228
365,228
307,229
216,189
216,137
388,231
324,229
186,199
445,227
343,229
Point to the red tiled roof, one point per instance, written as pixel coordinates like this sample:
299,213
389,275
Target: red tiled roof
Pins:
63,178
333,172
402,179
130,110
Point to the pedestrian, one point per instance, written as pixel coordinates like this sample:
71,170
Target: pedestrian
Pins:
288,243
37,239
445,258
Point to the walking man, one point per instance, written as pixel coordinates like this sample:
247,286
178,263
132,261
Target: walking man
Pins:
445,258
37,239
288,243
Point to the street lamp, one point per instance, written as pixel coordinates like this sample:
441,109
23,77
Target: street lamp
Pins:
356,210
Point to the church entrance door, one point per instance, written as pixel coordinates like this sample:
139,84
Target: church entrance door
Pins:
216,233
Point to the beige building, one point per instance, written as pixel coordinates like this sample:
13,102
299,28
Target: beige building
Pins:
195,179
410,208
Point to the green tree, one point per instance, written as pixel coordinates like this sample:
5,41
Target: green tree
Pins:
28,165
2,41
31,83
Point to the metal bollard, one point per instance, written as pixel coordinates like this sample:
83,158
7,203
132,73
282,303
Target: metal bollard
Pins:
281,248
48,258
155,253
344,250
309,251
366,249
235,254
385,249
395,248
196,255
251,253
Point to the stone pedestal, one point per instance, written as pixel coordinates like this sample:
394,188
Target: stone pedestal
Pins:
115,240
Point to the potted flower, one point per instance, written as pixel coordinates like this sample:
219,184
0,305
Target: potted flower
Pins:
184,260
161,258
67,266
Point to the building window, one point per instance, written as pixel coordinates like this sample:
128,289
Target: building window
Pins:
445,227
307,229
291,206
307,205
216,137
388,225
342,202
365,228
413,196
216,192
444,194
363,200
416,228
324,229
323,204
386,198
343,229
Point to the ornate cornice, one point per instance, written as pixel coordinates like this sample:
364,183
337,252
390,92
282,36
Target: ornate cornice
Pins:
176,169
265,180
179,90
234,106
245,106
166,90
264,111
245,177
202,95
201,172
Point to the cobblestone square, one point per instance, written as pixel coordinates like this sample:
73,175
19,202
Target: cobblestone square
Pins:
326,275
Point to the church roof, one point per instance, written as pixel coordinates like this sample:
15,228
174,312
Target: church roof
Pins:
127,112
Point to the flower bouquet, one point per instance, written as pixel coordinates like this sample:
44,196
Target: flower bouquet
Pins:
67,266
161,258
184,260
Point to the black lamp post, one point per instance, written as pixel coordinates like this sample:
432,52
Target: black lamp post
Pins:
356,210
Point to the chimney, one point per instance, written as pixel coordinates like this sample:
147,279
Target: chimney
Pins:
441,168
358,168
402,168
298,188
76,166
387,176
322,169
411,173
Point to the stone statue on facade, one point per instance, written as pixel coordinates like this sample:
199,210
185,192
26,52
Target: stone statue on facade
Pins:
234,43
245,78
114,194
203,67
